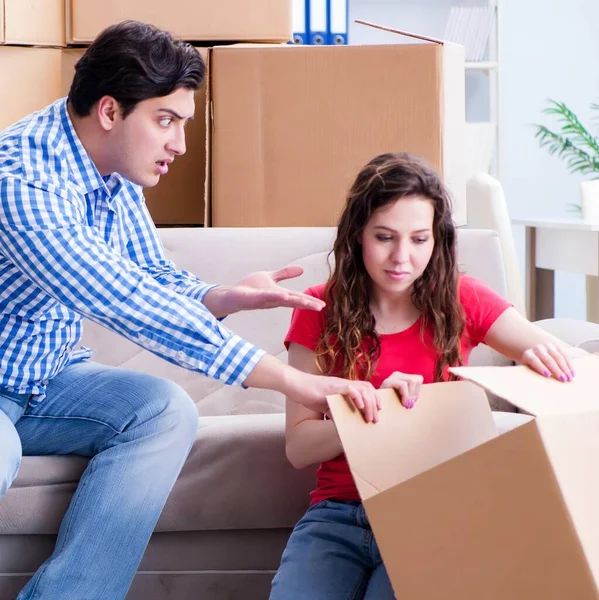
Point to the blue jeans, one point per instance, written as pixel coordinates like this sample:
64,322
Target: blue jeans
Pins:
138,429
332,555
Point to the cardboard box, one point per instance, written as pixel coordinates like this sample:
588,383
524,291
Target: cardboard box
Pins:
178,199
512,517
32,78
295,124
191,20
289,128
32,22
29,80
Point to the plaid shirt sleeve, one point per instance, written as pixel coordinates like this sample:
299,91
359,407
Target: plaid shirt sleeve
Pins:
46,237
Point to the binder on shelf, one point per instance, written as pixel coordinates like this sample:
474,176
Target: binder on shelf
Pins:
470,26
338,21
318,20
300,21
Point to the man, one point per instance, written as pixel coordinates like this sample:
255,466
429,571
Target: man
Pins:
76,240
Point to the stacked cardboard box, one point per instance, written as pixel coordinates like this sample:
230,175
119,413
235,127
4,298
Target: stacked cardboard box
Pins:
291,126
27,73
190,20
280,130
32,23
32,77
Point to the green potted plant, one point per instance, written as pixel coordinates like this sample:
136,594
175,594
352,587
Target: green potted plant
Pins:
579,148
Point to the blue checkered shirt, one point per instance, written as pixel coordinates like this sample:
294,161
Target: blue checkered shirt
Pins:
74,244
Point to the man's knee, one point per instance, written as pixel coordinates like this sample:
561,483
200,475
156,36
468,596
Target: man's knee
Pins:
174,407
10,454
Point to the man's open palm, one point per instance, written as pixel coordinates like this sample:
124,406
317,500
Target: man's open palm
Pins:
262,290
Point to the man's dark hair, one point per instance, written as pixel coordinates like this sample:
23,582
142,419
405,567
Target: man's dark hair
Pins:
131,62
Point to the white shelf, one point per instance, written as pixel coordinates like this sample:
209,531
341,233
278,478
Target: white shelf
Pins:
571,224
483,65
477,28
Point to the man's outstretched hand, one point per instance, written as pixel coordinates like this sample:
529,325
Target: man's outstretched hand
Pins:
260,290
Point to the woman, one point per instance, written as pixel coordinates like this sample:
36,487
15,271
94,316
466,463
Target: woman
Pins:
398,314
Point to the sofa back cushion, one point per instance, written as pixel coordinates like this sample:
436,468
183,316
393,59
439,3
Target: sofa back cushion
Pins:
225,255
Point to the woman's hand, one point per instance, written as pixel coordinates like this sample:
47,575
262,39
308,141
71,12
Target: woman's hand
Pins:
408,387
549,360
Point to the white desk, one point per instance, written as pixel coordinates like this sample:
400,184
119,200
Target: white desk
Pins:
559,245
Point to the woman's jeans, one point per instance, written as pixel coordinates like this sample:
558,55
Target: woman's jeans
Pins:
332,555
138,429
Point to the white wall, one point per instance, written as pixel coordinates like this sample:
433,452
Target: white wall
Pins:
548,50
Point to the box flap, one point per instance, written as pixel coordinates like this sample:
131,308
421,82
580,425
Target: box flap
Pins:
416,36
540,395
448,419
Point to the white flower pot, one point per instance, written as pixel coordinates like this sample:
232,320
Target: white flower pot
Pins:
589,200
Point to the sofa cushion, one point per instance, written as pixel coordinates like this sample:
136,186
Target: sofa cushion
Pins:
236,477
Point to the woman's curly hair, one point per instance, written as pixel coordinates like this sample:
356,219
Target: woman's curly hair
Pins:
349,345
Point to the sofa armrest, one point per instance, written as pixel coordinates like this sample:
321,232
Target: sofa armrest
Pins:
577,333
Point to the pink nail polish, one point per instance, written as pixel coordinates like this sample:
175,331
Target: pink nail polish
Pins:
546,373
562,378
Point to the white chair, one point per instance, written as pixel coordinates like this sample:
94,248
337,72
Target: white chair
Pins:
487,209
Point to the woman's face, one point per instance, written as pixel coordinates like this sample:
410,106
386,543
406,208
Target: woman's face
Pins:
397,244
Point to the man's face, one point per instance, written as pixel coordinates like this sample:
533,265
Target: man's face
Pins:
146,142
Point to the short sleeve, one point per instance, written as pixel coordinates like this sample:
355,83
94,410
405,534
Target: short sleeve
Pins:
307,325
482,306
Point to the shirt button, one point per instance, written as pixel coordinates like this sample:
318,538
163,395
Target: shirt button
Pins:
181,354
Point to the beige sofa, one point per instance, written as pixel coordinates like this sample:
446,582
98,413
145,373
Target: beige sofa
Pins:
224,527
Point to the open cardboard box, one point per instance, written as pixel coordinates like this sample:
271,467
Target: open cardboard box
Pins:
462,513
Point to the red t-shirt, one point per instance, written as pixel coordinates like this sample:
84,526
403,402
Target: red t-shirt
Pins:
404,351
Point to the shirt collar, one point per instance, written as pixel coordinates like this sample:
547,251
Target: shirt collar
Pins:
83,168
